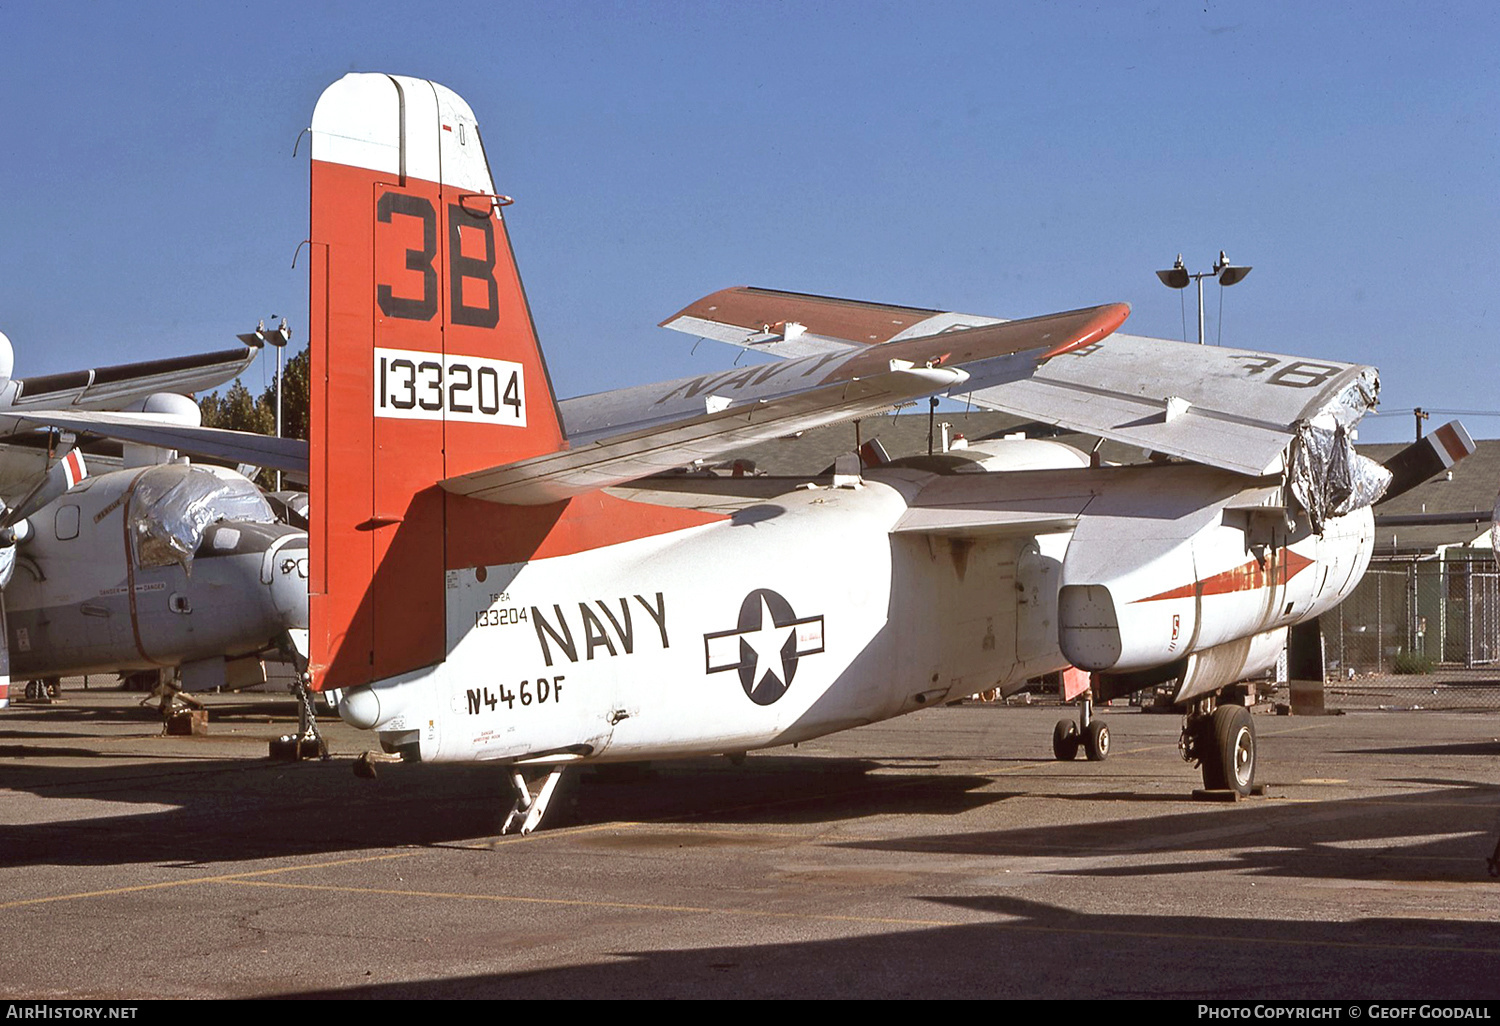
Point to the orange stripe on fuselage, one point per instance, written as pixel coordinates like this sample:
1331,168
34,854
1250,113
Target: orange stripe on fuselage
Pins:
1248,576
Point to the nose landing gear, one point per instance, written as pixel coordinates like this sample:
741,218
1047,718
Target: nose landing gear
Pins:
1091,734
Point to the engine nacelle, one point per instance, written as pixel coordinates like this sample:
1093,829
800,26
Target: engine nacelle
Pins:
167,408
1012,454
999,455
1141,591
1201,672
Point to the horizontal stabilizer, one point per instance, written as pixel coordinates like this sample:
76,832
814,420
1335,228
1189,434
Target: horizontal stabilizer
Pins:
1427,457
219,443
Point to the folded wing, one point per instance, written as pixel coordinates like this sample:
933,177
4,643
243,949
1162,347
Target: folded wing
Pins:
630,433
1233,409
105,388
220,443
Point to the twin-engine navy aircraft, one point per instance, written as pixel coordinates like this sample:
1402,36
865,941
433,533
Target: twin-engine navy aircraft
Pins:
160,565
495,578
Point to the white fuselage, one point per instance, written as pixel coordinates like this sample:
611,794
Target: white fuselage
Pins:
794,618
813,611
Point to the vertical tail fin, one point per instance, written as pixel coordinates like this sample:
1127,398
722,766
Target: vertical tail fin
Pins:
425,363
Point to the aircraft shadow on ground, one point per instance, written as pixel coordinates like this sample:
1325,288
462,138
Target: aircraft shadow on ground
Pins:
1489,749
1444,835
1028,950
238,810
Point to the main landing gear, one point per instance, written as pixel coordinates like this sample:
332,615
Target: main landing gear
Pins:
1222,741
48,689
1092,734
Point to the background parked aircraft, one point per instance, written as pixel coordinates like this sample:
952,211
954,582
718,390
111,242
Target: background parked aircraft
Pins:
160,564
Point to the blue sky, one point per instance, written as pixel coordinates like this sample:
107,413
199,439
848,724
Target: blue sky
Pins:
995,158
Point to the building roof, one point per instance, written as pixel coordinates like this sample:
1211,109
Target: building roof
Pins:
1469,486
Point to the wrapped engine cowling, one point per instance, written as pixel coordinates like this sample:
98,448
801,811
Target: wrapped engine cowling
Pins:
173,504
1328,477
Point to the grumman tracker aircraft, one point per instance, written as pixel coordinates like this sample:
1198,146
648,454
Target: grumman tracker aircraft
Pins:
484,588
172,565
158,565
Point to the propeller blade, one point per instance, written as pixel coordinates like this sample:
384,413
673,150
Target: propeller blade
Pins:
1426,458
59,480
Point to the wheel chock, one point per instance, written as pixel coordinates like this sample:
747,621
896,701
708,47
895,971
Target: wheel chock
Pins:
288,748
188,723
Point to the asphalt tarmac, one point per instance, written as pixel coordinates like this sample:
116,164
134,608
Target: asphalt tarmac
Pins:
944,854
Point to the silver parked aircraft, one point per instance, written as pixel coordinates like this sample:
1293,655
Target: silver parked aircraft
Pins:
155,566
172,565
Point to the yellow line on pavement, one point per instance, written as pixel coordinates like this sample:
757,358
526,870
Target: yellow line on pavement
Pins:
222,878
581,903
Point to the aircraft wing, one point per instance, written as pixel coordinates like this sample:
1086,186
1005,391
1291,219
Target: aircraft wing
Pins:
1233,409
630,433
104,388
793,324
221,443
634,454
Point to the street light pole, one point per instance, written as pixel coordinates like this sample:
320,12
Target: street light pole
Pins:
1178,277
277,337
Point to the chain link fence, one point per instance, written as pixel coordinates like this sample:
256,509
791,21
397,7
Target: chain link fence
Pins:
1418,634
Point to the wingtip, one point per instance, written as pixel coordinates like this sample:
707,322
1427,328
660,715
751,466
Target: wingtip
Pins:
1105,321
702,306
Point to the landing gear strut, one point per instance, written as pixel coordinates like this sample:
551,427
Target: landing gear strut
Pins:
530,809
1222,741
308,742
1092,734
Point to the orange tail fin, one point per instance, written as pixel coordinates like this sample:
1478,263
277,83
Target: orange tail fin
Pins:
425,363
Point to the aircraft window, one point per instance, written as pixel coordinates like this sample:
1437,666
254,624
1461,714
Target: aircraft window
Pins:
175,503
67,523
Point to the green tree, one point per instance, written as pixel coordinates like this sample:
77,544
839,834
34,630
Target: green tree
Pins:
238,410
295,412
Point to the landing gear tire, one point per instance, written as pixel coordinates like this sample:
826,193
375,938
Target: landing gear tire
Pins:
1065,741
1227,747
1096,741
